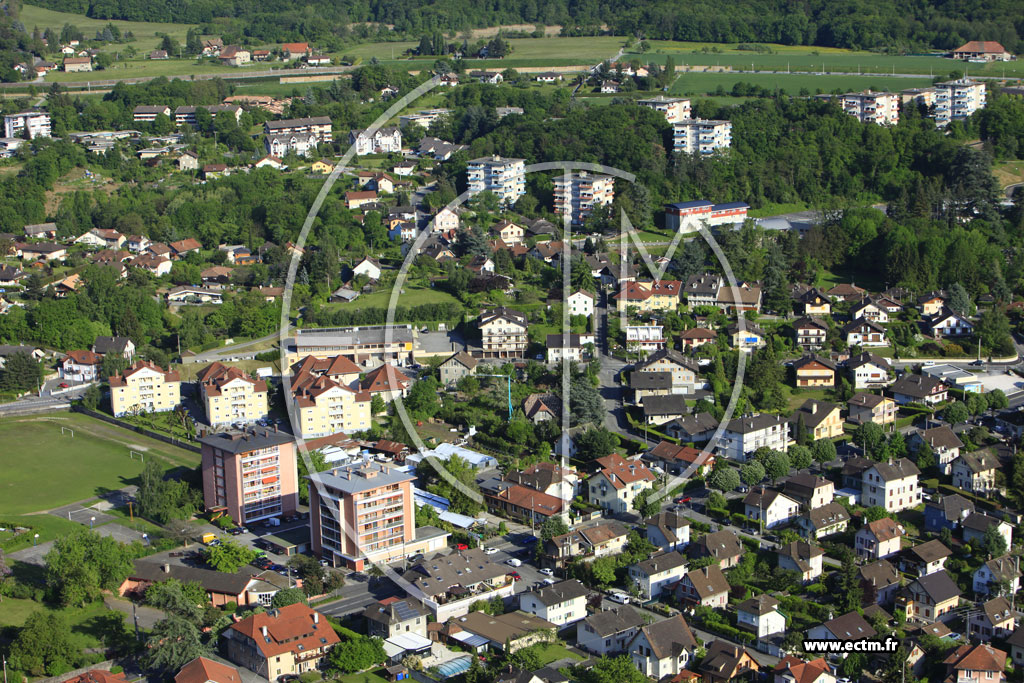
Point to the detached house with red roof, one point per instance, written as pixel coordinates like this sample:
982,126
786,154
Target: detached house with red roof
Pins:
976,664
289,640
982,51
203,670
618,482
81,366
795,670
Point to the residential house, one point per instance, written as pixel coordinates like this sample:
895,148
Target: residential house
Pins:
183,247
393,617
814,371
186,294
771,506
879,580
615,486
659,410
385,381
726,661
976,524
550,478
663,648
823,521
561,603
724,546
668,530
892,485
41,252
869,371
761,616
572,346
996,619
910,388
77,64
503,332
739,299
932,303
122,346
246,587
747,339
580,302
683,370
870,309
930,598
41,231
287,640
706,587
655,575
821,419
846,292
680,460
863,332
608,632
702,290
456,367
947,512
290,51
982,51
814,302
645,297
801,557
233,55
879,539
849,626
81,366
1016,643
144,388
810,333
695,337
522,502
865,408
924,558
696,428
810,491
976,472
998,574
744,435
503,633
201,669
542,407
188,161
795,670
946,323
976,664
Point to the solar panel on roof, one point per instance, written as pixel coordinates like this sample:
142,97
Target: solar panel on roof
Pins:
403,610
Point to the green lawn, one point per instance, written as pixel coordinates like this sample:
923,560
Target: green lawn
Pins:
700,83
411,295
830,60
588,50
1008,172
776,209
365,677
550,652
43,469
145,32
150,68
49,527
88,623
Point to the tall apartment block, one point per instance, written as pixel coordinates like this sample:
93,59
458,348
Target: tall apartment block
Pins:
252,474
882,108
701,136
144,388
956,100
504,177
363,512
34,124
675,109
578,193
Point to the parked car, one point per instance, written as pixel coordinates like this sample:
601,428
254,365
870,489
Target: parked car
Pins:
547,572
490,551
461,546
548,582
620,598
515,576
513,562
237,531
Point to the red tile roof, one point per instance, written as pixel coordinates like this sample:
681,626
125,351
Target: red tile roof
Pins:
203,670
295,628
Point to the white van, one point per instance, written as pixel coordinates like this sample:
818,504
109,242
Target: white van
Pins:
513,562
620,598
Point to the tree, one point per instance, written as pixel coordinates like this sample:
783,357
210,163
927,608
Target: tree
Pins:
163,500
925,457
174,642
43,646
603,571
752,472
93,396
585,403
5,573
850,591
777,465
956,413
724,477
610,670
316,458
377,405
288,596
596,443
82,564
993,542
355,654
174,597
875,513
800,457
229,556
993,329
1016,487
870,437
997,400
823,450
553,526
959,299
646,507
20,373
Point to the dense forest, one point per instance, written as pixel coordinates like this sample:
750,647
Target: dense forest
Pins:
844,23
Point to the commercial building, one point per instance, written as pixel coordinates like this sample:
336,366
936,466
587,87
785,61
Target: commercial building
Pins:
576,194
693,215
34,124
231,396
367,345
504,177
363,512
982,51
701,136
250,474
956,100
144,388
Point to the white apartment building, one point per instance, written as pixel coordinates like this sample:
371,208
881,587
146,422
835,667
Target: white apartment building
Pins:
576,194
503,333
381,141
674,108
892,485
744,435
701,136
36,123
504,177
872,107
956,100
561,604
645,338
580,302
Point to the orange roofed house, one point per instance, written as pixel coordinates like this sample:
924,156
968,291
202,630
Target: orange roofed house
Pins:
97,676
982,51
250,474
659,295
289,640
618,482
203,670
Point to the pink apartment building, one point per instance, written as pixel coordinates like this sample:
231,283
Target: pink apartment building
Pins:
252,474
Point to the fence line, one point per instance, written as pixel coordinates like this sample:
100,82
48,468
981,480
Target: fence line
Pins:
173,441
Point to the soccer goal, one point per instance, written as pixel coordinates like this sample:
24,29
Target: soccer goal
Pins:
67,431
136,454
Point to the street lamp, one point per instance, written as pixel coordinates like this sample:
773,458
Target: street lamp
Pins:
91,520
35,539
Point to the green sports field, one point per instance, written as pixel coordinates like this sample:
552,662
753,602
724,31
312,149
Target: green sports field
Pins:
44,469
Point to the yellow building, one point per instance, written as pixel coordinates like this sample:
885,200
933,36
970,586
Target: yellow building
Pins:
144,388
821,419
659,295
230,395
326,402
321,166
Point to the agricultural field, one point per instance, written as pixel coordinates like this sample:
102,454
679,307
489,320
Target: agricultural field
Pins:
701,83
74,468
145,31
553,51
412,295
816,59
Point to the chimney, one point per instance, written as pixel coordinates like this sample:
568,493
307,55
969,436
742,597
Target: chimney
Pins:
264,629
814,409
316,617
